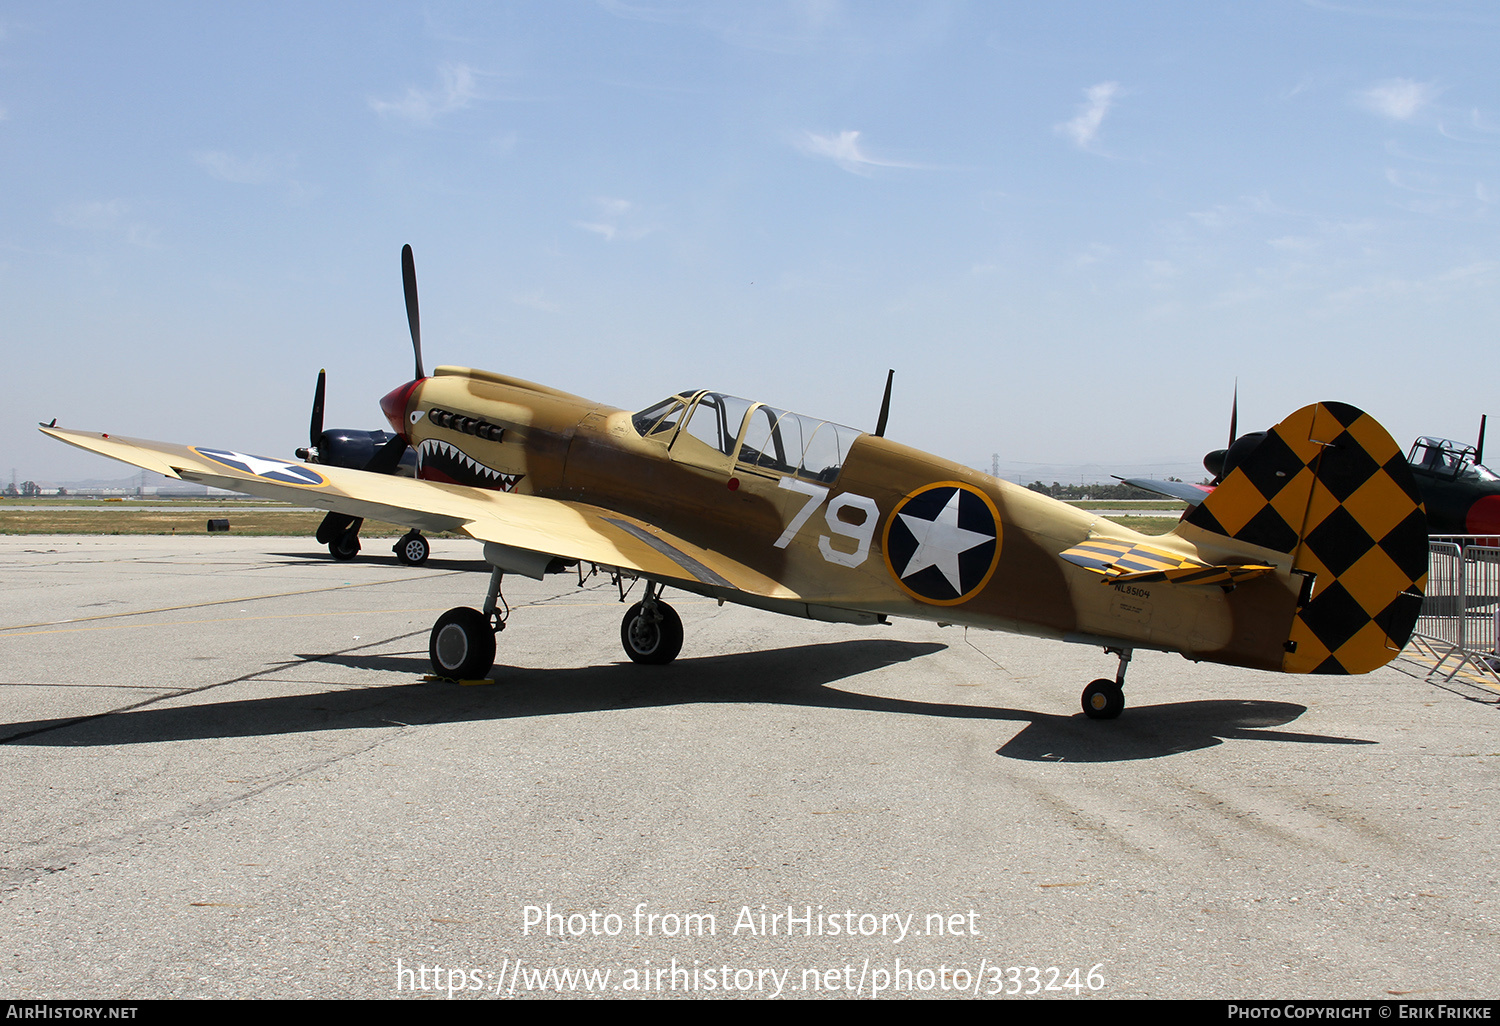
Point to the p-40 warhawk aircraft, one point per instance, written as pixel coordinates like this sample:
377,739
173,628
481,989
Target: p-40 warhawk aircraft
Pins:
1310,557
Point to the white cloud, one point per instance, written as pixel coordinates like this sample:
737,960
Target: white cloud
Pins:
93,215
1241,211
1083,129
618,219
790,26
1399,98
457,88
1161,271
1093,253
1442,286
256,169
534,300
845,151
106,217
608,231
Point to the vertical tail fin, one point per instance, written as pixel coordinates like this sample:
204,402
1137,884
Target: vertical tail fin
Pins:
1329,486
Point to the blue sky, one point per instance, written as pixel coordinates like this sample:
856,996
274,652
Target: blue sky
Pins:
1070,227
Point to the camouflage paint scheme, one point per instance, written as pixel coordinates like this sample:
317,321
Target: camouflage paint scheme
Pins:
550,479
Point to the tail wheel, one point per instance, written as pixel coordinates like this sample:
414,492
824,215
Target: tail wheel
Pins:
1103,700
651,636
462,645
412,549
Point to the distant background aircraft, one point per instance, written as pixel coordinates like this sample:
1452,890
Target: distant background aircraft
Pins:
1462,495
379,452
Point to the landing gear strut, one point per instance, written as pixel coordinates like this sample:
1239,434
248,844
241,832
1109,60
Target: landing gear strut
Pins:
412,549
1104,699
462,643
651,631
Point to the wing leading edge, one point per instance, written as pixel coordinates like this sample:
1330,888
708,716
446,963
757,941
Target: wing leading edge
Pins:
550,527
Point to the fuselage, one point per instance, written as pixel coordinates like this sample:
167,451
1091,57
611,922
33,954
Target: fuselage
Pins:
845,520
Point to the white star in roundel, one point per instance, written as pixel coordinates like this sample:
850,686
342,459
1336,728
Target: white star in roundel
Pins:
260,466
940,542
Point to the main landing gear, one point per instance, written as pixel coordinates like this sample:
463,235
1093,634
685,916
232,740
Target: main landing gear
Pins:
651,631
1104,699
462,643
344,545
412,549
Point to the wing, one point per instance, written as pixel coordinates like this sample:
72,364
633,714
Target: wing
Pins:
529,523
1189,493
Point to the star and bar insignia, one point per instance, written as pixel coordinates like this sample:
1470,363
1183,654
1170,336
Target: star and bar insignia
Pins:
942,542
260,466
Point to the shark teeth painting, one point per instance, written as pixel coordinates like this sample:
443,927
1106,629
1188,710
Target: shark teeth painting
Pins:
443,461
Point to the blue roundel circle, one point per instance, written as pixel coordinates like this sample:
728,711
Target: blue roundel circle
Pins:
942,542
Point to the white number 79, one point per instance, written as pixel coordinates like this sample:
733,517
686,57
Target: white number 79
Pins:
861,533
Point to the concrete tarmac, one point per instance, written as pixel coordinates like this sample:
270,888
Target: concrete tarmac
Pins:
224,776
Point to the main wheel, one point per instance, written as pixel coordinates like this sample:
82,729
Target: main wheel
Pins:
654,640
1103,700
345,547
462,645
412,549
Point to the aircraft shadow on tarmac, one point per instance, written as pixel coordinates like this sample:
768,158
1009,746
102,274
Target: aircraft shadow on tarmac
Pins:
1153,731
800,676
387,558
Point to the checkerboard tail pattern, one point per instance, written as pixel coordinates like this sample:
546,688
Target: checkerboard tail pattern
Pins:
1329,486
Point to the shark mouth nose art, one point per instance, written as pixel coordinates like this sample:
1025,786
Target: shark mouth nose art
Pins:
443,461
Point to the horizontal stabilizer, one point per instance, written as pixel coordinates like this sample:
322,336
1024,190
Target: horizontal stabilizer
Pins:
1120,561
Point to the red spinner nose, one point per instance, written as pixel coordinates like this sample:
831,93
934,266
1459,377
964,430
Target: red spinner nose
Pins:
396,403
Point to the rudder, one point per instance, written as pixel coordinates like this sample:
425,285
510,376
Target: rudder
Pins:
1330,487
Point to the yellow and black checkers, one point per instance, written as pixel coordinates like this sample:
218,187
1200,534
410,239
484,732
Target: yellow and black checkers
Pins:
1329,486
1121,561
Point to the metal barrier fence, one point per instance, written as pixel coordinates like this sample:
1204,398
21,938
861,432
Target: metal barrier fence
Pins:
1457,627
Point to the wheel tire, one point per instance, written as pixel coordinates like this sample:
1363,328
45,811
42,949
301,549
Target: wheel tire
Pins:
1103,700
345,547
652,644
412,550
462,645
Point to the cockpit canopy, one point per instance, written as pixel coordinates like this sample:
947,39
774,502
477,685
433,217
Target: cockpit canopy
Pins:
751,434
1449,458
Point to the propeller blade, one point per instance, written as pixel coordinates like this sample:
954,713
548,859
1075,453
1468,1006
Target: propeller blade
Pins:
1234,413
388,457
413,319
885,405
315,430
